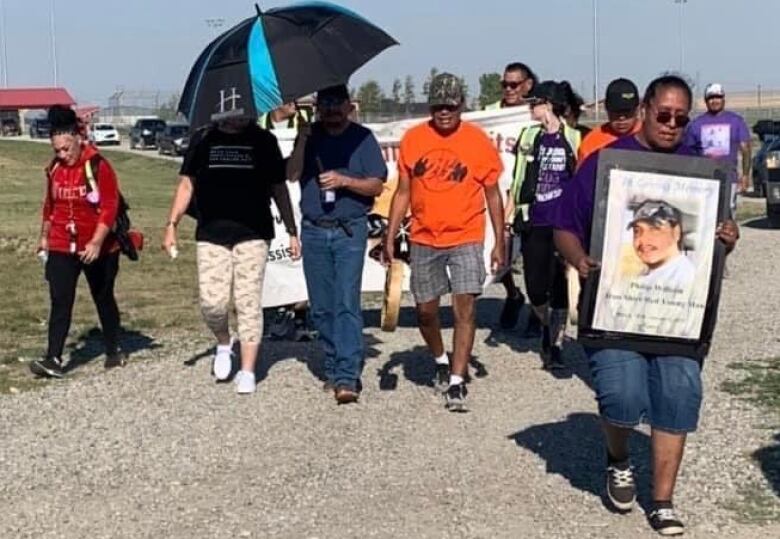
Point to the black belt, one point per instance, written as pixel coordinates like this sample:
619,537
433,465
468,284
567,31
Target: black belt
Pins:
324,222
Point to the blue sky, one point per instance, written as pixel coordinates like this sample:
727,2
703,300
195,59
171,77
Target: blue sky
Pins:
151,44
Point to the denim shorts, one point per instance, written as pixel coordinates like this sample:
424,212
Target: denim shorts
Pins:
430,265
665,391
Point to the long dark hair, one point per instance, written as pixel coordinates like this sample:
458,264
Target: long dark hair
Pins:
574,101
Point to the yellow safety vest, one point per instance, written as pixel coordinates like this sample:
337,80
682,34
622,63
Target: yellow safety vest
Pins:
266,122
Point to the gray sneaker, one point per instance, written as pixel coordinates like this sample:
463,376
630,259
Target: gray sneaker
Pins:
621,489
665,521
456,398
441,381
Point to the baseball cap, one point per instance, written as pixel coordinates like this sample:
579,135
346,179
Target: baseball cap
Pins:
549,91
445,89
656,212
338,92
714,90
622,96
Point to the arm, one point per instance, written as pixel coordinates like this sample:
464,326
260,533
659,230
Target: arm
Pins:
181,200
570,247
281,196
46,211
109,205
294,167
369,187
745,150
495,209
398,208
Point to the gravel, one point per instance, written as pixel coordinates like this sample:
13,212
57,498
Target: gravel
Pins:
157,449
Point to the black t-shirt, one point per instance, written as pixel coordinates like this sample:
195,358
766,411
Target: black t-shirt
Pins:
232,175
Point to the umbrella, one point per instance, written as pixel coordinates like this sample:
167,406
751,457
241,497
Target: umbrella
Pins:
278,56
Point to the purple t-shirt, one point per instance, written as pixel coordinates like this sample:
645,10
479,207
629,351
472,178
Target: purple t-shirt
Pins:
552,175
574,211
718,136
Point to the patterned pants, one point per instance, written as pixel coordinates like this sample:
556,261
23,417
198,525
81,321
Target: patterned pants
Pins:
236,272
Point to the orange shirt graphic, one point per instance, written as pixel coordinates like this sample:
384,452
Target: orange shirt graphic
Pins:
448,176
598,139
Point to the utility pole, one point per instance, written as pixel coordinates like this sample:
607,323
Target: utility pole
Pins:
596,58
681,3
53,35
3,48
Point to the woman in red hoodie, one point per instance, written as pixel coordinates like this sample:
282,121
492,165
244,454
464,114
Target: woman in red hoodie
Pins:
79,209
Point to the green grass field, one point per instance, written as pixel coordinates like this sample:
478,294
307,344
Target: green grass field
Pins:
156,295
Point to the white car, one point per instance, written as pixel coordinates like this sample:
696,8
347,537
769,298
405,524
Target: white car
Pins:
104,134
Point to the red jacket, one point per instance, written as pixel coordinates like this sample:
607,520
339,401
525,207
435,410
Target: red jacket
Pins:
66,201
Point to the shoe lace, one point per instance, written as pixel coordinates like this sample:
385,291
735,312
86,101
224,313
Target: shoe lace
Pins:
664,513
622,478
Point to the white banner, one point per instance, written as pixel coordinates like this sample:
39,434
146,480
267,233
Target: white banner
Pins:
284,281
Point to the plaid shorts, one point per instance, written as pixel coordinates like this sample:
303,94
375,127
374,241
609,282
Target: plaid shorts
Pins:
430,266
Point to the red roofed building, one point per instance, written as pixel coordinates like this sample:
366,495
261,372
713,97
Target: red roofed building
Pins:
34,98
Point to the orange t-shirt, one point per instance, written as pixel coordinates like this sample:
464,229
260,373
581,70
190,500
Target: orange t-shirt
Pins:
448,176
599,138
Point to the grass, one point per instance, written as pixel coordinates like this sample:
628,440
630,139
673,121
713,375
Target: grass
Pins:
759,383
154,294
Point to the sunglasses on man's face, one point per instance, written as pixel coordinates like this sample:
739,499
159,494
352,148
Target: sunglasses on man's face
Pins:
664,117
445,108
330,102
511,84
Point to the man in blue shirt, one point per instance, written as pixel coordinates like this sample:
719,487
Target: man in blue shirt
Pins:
341,170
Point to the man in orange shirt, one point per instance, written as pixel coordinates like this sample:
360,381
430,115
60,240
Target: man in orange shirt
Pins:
622,104
448,170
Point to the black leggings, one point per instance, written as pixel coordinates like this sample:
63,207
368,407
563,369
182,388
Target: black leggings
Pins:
544,272
62,272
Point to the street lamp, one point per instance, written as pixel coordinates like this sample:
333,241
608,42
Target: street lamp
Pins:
596,57
53,35
681,3
3,49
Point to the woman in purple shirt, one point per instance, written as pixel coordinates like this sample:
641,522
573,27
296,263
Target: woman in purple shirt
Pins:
666,391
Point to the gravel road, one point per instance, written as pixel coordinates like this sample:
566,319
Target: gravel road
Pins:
157,449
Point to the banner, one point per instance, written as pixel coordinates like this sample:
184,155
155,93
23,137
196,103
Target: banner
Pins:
284,281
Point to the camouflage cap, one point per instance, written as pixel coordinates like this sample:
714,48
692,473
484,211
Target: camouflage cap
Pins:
445,89
656,212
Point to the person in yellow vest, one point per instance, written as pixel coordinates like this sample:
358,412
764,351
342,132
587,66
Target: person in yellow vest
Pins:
546,160
517,81
288,116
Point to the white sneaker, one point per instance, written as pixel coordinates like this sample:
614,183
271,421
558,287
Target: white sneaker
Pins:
223,361
245,382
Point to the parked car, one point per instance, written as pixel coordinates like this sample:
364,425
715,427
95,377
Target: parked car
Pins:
39,128
144,133
9,127
765,160
100,133
174,139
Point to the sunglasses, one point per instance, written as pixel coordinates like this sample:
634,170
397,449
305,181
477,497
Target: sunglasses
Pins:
443,108
664,117
512,85
330,102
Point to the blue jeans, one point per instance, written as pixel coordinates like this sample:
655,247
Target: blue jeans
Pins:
333,266
664,390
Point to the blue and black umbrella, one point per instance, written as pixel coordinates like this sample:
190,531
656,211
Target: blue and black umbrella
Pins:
276,57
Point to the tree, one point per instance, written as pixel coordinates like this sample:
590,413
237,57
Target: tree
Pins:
408,93
396,94
465,88
489,88
370,96
427,86
168,110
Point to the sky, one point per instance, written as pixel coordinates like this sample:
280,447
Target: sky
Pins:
150,45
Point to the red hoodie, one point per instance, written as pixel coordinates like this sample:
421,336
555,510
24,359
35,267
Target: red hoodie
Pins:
66,201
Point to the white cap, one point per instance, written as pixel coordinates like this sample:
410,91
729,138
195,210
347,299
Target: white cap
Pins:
714,90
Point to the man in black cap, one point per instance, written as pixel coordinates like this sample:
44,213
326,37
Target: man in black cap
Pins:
622,104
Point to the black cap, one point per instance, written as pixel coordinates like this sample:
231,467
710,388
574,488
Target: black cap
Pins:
622,96
549,91
339,91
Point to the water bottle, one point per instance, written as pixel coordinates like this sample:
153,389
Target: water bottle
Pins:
328,196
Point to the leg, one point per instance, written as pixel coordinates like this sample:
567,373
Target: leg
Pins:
249,261
430,326
349,254
62,273
215,279
675,400
464,308
537,252
429,282
101,276
319,270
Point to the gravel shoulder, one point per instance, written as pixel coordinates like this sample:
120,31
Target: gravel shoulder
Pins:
157,449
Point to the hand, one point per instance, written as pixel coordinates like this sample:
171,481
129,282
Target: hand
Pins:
743,184
388,250
585,265
332,180
295,248
91,252
169,239
497,257
728,233
43,244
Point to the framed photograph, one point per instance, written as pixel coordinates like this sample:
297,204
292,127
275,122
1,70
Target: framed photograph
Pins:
654,233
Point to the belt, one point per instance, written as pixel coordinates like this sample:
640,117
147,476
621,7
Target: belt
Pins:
324,222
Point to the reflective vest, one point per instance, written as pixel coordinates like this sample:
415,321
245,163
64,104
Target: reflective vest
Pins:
525,175
266,122
494,106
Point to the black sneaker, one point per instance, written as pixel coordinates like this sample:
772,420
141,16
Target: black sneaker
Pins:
456,398
556,359
511,312
621,489
534,328
50,367
664,520
115,360
441,380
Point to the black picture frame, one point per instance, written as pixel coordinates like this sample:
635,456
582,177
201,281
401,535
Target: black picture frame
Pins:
676,165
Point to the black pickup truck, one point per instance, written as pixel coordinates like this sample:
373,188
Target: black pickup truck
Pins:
144,133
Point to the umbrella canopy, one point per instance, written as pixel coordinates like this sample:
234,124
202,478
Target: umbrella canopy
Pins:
276,57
